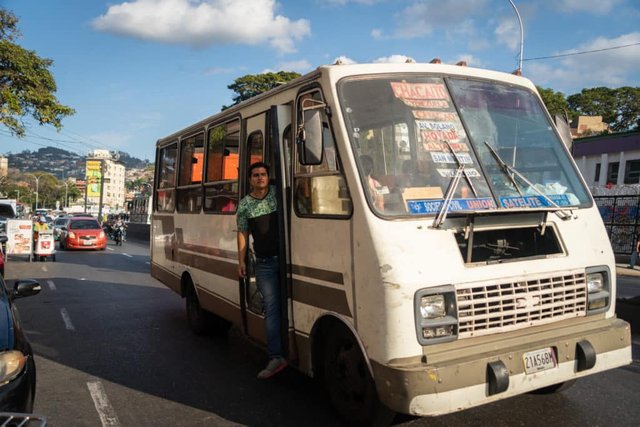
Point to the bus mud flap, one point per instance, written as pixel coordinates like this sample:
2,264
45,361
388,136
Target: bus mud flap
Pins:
497,377
585,355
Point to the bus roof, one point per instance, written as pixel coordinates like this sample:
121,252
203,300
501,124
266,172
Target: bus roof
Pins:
336,72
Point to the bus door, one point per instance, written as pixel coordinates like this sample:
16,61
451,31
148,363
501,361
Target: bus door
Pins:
321,254
264,143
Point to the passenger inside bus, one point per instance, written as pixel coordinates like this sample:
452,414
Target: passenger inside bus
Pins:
376,190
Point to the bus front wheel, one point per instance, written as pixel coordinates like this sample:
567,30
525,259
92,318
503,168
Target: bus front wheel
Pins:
347,378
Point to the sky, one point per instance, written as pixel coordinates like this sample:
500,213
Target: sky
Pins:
139,70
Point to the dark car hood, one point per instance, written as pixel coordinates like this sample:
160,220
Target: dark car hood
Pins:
6,325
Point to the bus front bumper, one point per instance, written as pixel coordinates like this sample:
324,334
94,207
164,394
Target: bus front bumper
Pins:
491,370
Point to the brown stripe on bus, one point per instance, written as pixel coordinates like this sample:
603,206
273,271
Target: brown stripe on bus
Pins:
321,296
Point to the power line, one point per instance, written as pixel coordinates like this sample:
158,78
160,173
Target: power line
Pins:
582,53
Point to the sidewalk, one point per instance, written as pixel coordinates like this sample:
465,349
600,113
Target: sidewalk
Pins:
622,269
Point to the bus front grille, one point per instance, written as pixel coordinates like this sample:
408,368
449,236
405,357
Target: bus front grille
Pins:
492,308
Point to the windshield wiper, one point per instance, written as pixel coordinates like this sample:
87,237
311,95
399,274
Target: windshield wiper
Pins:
510,171
451,189
461,167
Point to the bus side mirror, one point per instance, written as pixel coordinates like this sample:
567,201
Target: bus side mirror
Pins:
310,137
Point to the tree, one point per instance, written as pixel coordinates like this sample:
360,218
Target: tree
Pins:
27,86
619,108
556,103
251,85
597,101
628,108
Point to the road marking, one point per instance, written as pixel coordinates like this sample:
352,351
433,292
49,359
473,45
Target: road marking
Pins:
636,341
148,263
126,254
44,268
67,319
106,412
52,285
109,249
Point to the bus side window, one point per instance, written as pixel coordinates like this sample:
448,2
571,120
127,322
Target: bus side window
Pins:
221,178
321,189
166,178
190,174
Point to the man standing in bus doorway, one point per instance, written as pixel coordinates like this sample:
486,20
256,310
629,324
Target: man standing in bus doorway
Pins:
257,216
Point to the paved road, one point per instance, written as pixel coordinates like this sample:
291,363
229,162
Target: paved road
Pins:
113,349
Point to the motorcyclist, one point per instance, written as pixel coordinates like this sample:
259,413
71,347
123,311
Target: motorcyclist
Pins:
120,224
40,225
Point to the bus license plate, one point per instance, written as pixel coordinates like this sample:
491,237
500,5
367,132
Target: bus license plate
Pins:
539,360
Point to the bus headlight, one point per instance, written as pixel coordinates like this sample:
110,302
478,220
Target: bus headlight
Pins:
598,289
11,364
436,315
432,306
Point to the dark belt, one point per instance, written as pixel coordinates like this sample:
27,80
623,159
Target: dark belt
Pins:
266,258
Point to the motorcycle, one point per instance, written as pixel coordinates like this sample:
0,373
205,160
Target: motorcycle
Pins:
118,234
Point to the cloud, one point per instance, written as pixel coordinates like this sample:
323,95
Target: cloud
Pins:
344,2
611,67
204,22
393,59
344,60
597,7
422,18
469,59
508,32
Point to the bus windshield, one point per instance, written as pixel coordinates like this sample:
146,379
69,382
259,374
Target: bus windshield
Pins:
413,135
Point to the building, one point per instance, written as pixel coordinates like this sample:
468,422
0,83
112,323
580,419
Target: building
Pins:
607,160
4,166
589,125
104,163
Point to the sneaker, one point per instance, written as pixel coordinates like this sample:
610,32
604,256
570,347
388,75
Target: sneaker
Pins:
274,366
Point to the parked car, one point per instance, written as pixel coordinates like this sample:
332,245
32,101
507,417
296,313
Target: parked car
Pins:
82,233
6,212
58,224
18,376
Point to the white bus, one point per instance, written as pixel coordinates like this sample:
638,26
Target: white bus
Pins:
440,249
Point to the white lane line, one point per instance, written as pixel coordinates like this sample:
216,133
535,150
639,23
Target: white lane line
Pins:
125,254
67,319
109,249
52,285
636,341
106,412
148,263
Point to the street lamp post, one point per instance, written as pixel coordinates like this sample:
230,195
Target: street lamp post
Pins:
66,199
37,178
521,36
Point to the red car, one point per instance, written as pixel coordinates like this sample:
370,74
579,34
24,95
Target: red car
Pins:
82,233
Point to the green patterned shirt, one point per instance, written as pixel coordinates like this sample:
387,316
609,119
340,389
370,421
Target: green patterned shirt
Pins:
260,218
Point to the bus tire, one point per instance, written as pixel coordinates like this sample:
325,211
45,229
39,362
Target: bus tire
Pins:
555,388
351,388
196,315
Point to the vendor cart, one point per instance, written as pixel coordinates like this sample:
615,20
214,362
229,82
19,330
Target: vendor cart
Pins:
44,246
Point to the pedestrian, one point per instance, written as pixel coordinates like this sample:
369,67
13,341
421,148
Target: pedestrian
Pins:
636,251
257,216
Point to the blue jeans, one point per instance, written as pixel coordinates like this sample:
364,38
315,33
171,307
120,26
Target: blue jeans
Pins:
268,281
634,259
